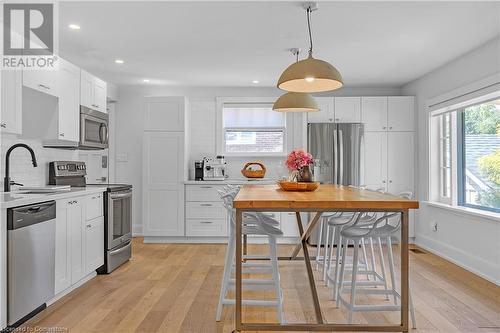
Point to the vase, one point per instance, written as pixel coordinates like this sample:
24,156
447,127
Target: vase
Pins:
305,175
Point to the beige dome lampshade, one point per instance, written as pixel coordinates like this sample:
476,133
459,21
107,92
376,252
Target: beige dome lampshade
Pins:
310,75
295,102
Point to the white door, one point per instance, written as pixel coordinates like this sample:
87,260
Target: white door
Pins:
325,113
69,101
374,113
375,160
163,189
347,109
164,113
11,102
75,218
400,162
400,113
62,249
94,244
100,95
86,89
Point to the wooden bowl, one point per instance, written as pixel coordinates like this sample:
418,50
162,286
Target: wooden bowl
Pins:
298,186
254,173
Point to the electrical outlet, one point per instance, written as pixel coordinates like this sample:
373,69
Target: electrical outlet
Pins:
434,226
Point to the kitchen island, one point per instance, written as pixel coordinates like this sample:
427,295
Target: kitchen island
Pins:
326,198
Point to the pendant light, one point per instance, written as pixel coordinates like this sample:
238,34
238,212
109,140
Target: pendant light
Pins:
295,101
310,75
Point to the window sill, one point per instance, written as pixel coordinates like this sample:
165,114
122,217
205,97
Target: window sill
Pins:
466,210
262,155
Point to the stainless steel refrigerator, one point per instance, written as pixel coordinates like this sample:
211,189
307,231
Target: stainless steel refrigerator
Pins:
336,149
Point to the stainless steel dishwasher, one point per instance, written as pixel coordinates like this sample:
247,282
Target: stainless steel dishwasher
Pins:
31,259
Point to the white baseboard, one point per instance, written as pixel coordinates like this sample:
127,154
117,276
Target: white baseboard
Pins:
460,258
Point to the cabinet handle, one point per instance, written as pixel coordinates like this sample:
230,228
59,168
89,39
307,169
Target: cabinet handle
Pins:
61,134
384,127
206,205
44,86
206,222
390,181
3,125
89,226
336,119
206,186
383,182
390,127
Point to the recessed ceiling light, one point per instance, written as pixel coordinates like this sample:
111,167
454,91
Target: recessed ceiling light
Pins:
145,80
74,27
255,81
119,61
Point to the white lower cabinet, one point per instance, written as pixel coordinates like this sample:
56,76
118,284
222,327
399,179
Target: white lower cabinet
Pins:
94,244
206,216
79,247
289,225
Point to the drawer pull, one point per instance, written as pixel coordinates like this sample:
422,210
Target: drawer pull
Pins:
206,222
205,186
206,205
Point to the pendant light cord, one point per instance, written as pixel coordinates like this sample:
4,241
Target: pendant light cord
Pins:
309,10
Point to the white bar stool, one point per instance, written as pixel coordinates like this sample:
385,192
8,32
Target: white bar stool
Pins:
382,228
253,224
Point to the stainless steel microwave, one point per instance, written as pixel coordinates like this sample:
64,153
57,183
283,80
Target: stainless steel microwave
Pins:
94,129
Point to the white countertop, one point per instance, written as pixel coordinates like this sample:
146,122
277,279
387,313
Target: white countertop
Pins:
233,181
18,198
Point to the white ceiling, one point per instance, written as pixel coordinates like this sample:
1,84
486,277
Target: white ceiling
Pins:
230,44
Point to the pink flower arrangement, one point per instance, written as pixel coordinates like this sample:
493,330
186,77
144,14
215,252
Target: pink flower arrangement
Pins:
298,159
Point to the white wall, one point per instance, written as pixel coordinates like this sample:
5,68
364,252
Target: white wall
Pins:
472,242
202,130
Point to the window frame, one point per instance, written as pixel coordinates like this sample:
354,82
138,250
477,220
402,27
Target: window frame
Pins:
448,199
221,130
461,163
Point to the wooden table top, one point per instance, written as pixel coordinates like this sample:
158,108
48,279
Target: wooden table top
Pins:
327,196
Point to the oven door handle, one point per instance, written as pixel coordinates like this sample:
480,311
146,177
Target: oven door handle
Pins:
125,247
120,196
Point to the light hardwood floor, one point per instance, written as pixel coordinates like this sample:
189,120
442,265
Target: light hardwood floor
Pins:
175,288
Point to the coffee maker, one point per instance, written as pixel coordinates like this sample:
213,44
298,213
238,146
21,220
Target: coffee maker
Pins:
214,169
198,170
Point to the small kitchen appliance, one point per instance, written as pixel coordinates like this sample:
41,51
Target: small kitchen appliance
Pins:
117,211
198,170
214,169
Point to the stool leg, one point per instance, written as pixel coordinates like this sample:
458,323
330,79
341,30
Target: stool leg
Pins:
372,258
412,312
325,250
365,258
391,268
382,264
345,243
353,280
276,276
230,254
318,249
331,255
338,241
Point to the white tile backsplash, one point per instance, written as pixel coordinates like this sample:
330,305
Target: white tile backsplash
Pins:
21,167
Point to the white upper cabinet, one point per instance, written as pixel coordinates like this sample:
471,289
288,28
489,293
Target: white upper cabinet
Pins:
164,114
374,113
69,101
325,113
45,81
400,111
347,109
92,92
11,102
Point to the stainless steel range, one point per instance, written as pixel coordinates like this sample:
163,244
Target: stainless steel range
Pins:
117,211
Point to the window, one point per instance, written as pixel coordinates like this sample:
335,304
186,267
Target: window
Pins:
445,157
479,151
253,129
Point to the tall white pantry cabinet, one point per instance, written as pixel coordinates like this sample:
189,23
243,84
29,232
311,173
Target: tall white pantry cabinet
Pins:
164,165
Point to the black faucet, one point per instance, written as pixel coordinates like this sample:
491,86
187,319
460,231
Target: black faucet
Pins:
6,181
